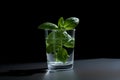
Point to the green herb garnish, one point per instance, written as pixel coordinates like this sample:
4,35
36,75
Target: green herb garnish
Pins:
58,39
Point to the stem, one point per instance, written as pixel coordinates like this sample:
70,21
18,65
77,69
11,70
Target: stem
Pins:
60,47
60,32
56,57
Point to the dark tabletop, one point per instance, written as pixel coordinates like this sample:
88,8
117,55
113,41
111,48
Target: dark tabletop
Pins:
91,69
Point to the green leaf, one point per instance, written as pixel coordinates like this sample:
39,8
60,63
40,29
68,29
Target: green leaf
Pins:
53,41
70,43
52,48
62,55
67,37
54,37
61,23
71,23
49,49
50,39
48,25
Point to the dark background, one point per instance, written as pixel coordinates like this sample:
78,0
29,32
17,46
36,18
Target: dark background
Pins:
97,35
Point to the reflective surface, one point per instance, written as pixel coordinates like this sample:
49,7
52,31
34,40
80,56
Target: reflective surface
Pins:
60,75
96,69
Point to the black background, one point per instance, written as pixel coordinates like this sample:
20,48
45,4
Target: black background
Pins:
97,35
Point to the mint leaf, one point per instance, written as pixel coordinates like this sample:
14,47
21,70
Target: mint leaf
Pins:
49,48
62,55
55,37
70,43
61,23
50,39
52,48
71,23
54,41
48,25
67,37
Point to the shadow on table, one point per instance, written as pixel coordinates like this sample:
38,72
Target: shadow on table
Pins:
43,73
23,72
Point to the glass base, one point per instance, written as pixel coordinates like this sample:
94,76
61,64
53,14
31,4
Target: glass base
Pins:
60,66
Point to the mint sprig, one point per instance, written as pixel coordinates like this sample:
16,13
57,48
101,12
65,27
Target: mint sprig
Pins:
59,38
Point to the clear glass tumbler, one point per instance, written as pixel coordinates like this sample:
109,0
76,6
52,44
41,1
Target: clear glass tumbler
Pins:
60,49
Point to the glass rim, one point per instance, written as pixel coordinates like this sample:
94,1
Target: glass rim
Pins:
62,29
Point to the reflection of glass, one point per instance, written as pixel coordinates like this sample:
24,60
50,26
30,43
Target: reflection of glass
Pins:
60,49
60,75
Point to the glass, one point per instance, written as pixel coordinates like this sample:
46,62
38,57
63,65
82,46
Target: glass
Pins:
60,49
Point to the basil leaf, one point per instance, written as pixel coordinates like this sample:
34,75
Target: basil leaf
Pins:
61,23
71,23
48,25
